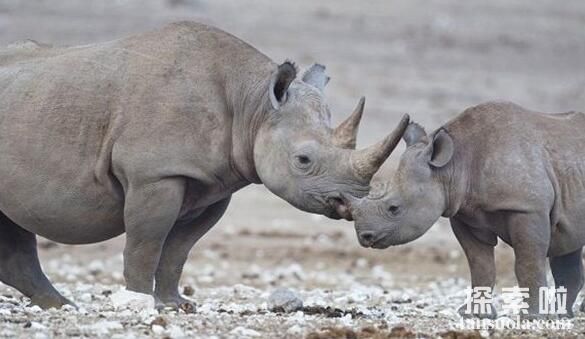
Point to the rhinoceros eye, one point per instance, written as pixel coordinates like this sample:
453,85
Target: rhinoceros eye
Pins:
393,209
303,161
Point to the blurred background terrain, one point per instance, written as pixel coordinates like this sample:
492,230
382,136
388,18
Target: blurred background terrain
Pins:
431,59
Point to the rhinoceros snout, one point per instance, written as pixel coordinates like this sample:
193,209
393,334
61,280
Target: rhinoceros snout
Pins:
366,238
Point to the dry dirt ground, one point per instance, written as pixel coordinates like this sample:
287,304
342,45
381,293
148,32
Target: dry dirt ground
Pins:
429,58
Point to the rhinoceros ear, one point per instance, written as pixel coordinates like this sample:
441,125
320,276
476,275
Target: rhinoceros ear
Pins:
414,133
281,80
316,76
440,151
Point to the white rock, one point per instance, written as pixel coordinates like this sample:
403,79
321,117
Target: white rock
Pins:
346,320
175,332
40,335
316,217
380,273
85,297
8,333
124,336
37,326
147,313
158,329
105,326
244,332
4,311
68,308
205,279
125,313
96,266
133,300
284,299
362,262
295,330
35,309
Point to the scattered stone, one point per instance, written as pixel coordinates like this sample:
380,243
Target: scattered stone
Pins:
452,334
157,329
188,291
133,300
105,326
160,321
37,326
331,312
40,335
284,300
96,267
401,332
71,308
241,331
295,330
333,333
35,309
187,308
175,332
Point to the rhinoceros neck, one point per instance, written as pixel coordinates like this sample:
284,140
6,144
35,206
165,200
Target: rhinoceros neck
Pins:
247,98
454,177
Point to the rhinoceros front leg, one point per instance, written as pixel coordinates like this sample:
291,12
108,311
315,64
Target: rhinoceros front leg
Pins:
482,265
567,271
176,249
530,238
150,212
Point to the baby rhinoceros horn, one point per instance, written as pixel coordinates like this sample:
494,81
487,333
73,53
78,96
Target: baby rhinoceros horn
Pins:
366,162
345,135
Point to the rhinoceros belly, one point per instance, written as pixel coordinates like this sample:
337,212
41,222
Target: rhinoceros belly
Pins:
65,217
64,203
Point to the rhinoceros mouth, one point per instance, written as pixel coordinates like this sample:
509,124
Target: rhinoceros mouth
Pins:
340,208
381,244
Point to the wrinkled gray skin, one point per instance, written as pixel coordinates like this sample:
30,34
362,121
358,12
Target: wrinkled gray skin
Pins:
496,171
150,135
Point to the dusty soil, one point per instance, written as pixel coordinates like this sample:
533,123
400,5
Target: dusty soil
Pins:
429,58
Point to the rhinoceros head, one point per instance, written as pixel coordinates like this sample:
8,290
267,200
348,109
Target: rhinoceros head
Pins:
299,157
403,208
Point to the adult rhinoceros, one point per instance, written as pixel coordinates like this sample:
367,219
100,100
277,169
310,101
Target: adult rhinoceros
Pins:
150,135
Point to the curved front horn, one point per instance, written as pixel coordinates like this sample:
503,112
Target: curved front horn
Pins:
366,162
345,135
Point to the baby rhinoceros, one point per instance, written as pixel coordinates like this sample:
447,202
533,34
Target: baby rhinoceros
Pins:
496,170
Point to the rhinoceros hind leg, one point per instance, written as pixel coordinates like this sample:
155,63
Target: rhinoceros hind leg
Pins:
178,244
20,267
567,271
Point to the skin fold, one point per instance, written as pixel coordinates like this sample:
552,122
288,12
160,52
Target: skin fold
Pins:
151,135
497,171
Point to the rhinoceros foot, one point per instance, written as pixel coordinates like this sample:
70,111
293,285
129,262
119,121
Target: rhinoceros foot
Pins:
176,303
46,301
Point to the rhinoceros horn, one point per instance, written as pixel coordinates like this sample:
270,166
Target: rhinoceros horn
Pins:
345,134
367,161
